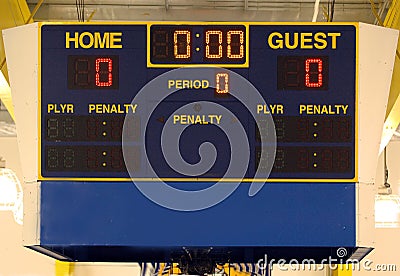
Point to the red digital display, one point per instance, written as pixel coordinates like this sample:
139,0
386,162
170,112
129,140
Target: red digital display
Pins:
198,45
93,72
303,72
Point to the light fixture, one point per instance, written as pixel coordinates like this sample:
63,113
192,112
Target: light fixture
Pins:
10,193
387,205
387,211
5,95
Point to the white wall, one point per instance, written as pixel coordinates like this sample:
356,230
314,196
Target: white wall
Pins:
14,258
387,250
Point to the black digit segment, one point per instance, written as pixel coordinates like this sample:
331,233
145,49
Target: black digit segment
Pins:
160,44
200,44
64,128
318,129
309,160
303,72
93,72
88,158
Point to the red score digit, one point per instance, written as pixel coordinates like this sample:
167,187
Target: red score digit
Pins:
312,73
100,73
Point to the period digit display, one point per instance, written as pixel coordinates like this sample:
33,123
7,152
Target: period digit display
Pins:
90,75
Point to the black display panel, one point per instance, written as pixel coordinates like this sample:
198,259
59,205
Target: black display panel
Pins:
93,72
303,72
64,128
87,158
324,129
310,159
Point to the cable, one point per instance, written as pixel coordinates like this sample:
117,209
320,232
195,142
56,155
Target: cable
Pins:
77,9
83,11
316,9
80,10
329,11
386,184
332,10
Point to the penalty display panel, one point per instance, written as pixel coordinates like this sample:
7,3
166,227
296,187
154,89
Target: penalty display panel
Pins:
109,93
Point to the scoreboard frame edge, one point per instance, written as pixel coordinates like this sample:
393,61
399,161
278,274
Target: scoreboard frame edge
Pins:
245,65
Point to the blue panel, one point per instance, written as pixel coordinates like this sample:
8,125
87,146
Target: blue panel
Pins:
117,214
312,145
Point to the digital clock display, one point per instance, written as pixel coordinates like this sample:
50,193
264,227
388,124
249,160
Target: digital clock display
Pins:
207,44
91,74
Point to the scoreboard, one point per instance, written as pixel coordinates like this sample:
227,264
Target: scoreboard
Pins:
183,101
221,141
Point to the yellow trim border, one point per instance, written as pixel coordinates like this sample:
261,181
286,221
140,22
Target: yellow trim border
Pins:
64,268
357,61
343,270
225,180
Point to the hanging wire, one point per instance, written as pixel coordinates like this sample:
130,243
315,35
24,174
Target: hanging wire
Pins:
77,9
80,10
386,184
329,11
316,9
332,11
82,14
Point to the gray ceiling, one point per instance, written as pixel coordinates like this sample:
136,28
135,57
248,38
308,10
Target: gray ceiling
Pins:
208,10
